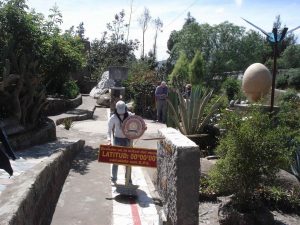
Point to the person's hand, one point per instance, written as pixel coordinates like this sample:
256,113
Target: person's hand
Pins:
108,142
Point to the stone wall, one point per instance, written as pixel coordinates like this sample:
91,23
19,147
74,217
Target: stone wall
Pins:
178,177
37,136
59,105
32,198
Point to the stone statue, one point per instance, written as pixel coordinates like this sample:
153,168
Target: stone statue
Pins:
257,81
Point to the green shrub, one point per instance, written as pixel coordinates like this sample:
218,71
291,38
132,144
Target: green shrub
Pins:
71,89
140,87
251,150
68,123
282,81
294,79
278,198
196,69
232,88
290,96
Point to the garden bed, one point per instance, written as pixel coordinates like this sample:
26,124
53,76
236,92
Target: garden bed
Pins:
59,105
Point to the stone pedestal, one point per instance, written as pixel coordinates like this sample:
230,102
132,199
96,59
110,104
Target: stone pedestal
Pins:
117,93
178,177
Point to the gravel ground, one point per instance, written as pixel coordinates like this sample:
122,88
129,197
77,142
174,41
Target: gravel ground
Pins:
208,214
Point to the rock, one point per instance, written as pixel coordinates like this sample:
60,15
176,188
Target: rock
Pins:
102,87
229,215
287,180
104,100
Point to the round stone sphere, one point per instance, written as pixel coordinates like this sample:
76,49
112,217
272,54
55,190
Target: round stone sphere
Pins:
257,81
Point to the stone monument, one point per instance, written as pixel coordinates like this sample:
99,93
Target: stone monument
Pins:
257,81
117,73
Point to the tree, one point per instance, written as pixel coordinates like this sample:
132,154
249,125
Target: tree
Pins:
117,28
290,57
225,47
112,48
20,31
180,74
189,19
196,69
80,31
144,22
158,24
54,21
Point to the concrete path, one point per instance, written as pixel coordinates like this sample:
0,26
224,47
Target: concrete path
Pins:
88,197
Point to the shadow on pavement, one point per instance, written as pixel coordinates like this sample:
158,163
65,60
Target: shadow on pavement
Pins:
142,199
81,162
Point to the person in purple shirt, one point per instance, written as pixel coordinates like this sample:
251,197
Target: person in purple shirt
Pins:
161,94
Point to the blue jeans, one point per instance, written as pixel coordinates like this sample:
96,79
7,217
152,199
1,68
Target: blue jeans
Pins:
119,142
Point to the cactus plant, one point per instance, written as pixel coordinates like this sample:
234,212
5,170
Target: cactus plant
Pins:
190,116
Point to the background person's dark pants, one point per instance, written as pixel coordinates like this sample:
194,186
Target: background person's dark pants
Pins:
161,107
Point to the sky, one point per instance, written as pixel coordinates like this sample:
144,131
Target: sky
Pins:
95,14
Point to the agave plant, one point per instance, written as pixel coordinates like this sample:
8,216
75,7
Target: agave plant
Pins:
296,165
190,115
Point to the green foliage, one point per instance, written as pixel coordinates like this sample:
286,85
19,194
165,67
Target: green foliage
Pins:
295,167
20,31
280,199
294,79
282,81
70,89
140,86
253,149
289,78
290,57
68,123
289,119
112,49
191,116
62,55
232,88
196,69
29,33
225,47
291,96
180,74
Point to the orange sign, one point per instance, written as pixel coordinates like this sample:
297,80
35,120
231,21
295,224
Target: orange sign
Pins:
127,156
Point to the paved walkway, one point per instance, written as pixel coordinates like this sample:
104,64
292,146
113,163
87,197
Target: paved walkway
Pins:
88,197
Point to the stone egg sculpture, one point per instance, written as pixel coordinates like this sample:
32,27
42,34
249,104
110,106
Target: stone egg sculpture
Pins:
257,81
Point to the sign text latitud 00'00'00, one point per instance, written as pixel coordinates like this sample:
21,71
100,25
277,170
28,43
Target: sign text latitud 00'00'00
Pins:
127,156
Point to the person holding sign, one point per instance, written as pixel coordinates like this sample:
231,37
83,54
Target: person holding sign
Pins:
115,130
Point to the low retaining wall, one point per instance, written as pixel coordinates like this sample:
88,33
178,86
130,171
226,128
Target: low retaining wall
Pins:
178,177
32,198
86,115
59,105
33,137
